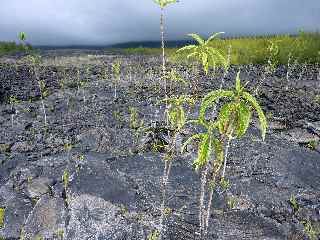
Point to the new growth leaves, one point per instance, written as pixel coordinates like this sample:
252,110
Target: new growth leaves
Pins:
163,3
207,55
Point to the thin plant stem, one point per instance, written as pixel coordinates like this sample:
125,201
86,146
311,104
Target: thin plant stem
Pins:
202,195
206,225
225,157
166,174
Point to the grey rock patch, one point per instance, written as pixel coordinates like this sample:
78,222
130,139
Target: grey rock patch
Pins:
47,219
17,209
39,186
299,135
95,178
21,147
94,218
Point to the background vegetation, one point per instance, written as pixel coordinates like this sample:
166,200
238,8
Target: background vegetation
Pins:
305,48
12,47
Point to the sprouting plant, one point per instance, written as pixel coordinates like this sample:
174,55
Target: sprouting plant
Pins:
133,118
78,162
231,202
310,230
117,115
273,59
116,70
312,144
233,121
68,147
154,235
2,212
22,37
60,234
22,234
13,101
65,179
272,63
294,204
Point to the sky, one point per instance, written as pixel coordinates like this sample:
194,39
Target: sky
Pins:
105,22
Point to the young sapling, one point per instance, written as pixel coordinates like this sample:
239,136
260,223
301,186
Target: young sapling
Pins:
176,116
162,4
233,121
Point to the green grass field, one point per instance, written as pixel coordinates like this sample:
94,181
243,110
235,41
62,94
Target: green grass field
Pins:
11,47
305,48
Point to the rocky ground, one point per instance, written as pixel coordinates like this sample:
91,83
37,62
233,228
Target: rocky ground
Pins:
88,174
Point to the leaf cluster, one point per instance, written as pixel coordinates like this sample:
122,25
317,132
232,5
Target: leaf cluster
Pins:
163,3
234,118
207,55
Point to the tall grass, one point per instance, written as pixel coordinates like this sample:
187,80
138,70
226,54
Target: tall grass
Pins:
304,47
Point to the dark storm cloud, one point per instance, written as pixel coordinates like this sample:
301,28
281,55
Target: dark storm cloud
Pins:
98,22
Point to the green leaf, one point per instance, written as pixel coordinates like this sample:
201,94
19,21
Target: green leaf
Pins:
213,36
224,117
262,118
205,62
187,48
244,119
197,38
164,3
22,36
190,139
218,150
204,152
210,100
217,57
192,55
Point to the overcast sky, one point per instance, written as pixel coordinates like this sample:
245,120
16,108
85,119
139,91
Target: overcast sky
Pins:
102,22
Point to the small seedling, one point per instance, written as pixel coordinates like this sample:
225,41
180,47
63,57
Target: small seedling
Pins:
312,145
22,234
13,101
225,184
60,234
310,230
116,70
294,204
231,202
154,235
168,211
2,212
272,63
133,118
